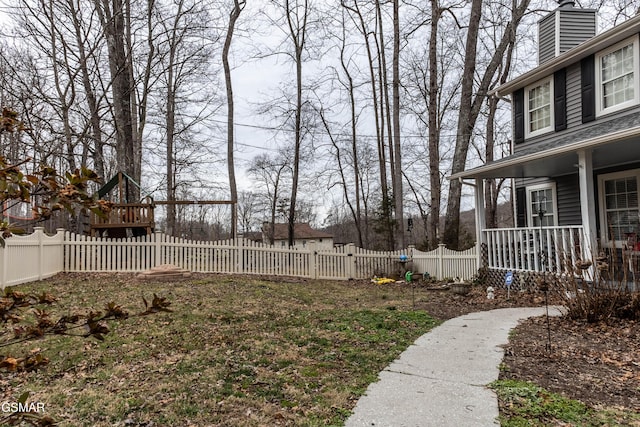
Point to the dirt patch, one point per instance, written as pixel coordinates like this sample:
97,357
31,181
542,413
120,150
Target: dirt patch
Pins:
444,304
595,363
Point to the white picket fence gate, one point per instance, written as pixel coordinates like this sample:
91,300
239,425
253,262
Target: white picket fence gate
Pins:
38,256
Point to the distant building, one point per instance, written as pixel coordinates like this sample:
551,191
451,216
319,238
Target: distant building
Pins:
302,232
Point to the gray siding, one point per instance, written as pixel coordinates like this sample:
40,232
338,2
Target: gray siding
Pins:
547,38
568,194
529,182
617,121
576,26
574,100
567,197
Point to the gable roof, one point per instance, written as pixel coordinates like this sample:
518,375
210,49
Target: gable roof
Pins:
301,230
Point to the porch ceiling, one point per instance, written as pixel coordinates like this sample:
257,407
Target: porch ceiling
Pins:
559,157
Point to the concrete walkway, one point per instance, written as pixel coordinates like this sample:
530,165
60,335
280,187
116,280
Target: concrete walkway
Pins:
441,379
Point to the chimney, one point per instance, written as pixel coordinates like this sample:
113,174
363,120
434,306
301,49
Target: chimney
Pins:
563,29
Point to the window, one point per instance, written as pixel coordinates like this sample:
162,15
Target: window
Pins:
617,76
541,205
539,108
619,212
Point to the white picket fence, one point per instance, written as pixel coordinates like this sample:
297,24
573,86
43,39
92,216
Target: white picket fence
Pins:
446,263
35,257
29,258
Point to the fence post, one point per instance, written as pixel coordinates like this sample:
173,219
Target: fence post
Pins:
313,253
351,261
60,235
440,273
5,255
39,233
158,248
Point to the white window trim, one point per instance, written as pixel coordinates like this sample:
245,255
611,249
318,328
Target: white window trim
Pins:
545,186
600,111
527,119
604,226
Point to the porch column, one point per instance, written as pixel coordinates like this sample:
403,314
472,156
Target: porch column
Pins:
587,192
481,222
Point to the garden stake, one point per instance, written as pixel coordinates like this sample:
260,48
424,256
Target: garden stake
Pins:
413,295
546,303
544,287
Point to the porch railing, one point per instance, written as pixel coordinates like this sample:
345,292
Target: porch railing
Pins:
536,249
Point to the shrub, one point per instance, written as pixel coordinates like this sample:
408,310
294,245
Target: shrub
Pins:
609,294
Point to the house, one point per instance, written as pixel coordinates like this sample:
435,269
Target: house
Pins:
576,149
302,232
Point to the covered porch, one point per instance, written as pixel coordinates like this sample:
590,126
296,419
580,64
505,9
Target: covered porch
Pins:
583,217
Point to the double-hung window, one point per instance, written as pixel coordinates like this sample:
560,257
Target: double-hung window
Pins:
619,208
541,206
539,107
617,74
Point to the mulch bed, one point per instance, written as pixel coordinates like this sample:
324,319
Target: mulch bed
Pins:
598,364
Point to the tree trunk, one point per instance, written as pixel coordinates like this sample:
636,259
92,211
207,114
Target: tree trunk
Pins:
397,147
465,126
357,217
233,189
297,31
113,22
434,130
490,195
378,116
470,107
386,123
170,123
92,102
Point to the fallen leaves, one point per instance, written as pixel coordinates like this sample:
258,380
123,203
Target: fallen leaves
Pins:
158,304
31,362
595,363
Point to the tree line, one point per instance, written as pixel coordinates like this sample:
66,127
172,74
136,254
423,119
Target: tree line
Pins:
379,101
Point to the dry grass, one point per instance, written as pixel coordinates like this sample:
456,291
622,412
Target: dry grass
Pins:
235,351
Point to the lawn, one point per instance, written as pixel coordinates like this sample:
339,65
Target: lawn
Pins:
233,351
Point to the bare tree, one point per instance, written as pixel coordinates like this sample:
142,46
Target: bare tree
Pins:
113,17
248,211
238,6
270,173
397,147
434,126
87,49
372,47
297,16
184,52
471,101
344,154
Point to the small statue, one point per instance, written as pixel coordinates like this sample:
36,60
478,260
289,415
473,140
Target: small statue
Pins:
490,292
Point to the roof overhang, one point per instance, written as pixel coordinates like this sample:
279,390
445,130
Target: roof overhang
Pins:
589,47
613,149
